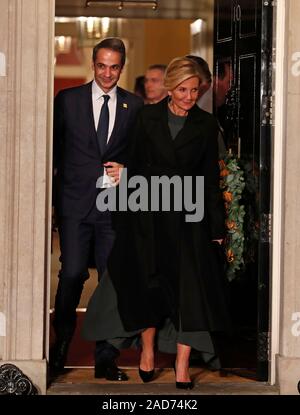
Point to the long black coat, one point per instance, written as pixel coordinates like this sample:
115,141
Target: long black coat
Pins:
162,265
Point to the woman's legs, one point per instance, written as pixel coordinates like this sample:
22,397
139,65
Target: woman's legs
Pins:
147,354
182,363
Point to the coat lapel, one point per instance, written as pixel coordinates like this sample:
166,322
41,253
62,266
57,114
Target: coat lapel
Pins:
191,128
160,131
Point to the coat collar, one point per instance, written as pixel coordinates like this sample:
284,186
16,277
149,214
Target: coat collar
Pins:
157,124
192,127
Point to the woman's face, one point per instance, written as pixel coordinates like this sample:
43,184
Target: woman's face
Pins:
185,95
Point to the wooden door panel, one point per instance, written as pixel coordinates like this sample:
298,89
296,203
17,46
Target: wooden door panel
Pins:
224,21
247,17
247,90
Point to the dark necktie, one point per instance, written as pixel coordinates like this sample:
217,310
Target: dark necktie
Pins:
102,130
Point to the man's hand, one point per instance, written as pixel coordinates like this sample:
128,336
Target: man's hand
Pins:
114,170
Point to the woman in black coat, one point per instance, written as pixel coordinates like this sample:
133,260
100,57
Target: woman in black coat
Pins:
163,265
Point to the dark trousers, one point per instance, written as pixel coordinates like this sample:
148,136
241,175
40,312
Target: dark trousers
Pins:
105,353
75,244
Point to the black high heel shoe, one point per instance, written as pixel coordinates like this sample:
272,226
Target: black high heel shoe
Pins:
146,376
183,385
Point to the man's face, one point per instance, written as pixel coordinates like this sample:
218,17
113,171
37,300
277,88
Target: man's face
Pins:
107,68
154,85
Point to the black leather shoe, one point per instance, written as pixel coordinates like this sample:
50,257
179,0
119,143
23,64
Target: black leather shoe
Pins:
58,357
146,376
184,385
111,372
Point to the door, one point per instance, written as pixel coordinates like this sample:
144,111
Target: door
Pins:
243,45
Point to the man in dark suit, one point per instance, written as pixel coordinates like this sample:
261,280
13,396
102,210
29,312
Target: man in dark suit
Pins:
92,124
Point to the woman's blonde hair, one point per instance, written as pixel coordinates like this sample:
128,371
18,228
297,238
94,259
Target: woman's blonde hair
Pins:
179,70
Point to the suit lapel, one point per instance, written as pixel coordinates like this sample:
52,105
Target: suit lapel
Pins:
121,114
87,108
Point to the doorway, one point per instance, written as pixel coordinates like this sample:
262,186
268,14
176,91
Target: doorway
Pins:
256,316
75,38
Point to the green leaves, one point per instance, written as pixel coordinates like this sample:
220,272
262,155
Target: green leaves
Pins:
232,185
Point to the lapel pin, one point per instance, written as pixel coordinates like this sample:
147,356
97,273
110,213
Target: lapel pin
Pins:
125,105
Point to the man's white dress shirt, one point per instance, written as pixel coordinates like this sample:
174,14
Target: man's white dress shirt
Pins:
97,97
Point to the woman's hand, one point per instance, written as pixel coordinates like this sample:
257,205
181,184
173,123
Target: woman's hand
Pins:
114,170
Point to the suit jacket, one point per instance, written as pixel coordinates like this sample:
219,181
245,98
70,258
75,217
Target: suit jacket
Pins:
159,262
76,155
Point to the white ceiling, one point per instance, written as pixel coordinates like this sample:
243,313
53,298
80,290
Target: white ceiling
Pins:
167,9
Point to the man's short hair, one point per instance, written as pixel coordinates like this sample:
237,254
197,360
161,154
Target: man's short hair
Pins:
159,66
113,43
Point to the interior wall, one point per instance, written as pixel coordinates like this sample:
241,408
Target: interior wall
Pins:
166,39
148,41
